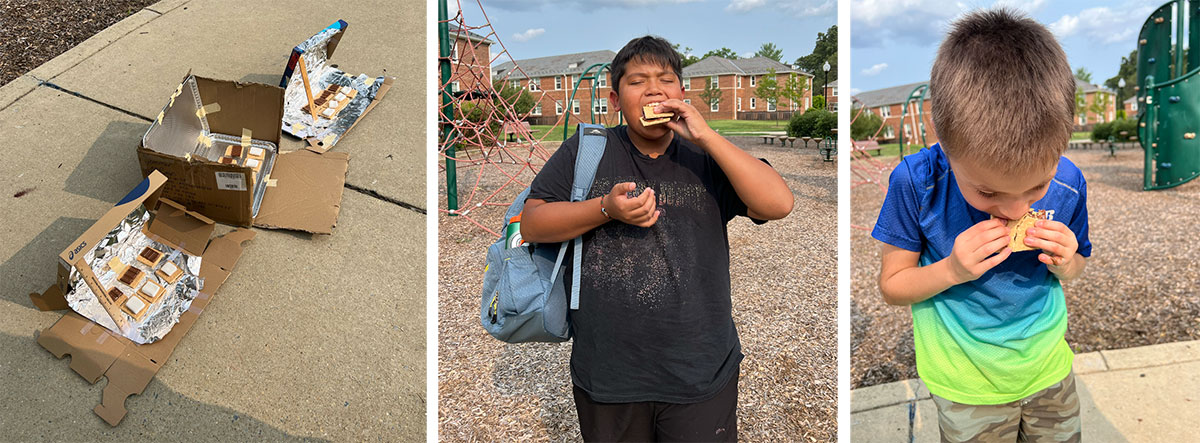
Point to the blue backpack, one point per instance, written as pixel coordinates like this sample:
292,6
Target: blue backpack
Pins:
524,299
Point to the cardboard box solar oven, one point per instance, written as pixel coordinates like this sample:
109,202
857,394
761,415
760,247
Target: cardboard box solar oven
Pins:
97,351
218,143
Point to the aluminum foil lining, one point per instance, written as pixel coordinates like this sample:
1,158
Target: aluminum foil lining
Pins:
124,242
320,75
179,131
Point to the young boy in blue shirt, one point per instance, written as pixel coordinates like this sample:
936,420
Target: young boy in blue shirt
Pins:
989,323
656,354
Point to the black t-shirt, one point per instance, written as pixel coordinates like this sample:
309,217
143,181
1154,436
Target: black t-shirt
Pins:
654,320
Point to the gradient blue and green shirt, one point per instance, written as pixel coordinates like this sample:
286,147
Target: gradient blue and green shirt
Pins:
999,338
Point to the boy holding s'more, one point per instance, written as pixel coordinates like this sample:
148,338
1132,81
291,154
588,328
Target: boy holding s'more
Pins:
655,354
989,315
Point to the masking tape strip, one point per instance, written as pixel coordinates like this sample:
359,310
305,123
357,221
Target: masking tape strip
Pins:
103,336
195,309
246,133
204,140
160,117
370,81
271,182
86,328
208,109
296,127
328,140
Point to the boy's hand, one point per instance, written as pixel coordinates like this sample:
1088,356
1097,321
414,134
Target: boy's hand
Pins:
970,257
638,211
1057,242
688,122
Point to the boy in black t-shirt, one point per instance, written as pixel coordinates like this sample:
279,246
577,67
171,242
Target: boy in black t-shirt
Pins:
656,353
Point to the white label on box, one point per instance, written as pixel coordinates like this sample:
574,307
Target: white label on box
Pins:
231,181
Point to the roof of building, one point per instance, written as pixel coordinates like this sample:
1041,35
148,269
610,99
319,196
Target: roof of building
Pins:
716,65
552,65
833,84
888,96
1086,87
457,32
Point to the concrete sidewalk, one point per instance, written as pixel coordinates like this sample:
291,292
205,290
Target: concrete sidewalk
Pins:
1144,394
312,337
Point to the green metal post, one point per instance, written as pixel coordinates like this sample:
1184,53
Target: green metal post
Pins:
447,106
595,79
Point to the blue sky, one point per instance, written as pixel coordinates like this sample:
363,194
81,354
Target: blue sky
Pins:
894,42
538,28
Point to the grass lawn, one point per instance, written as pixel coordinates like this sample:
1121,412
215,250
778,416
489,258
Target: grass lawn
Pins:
893,149
727,127
1081,136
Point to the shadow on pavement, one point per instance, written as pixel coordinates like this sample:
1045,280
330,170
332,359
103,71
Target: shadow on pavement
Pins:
110,168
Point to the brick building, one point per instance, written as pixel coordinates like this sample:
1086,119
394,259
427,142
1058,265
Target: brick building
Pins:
888,103
831,94
553,78
1131,107
469,59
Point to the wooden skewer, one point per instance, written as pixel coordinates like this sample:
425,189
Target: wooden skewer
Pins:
312,107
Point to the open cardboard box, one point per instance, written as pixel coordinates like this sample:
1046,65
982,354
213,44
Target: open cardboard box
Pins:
308,73
203,121
98,352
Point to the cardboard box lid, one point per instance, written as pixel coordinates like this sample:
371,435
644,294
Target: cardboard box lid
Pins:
306,193
252,106
178,227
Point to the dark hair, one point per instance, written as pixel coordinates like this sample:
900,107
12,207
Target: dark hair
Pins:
648,49
1002,92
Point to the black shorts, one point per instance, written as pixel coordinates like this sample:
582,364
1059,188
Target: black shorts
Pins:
714,419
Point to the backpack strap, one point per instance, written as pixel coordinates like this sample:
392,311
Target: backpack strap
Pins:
592,140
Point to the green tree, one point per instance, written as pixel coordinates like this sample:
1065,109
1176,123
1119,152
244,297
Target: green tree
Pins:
711,94
1083,74
866,125
824,50
1128,71
768,90
812,123
1080,103
793,89
818,101
1099,105
723,52
521,99
685,55
769,50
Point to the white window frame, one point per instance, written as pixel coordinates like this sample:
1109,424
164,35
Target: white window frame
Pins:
687,83
716,80
885,111
558,107
715,107
570,81
575,107
753,81
889,132
601,106
687,100
516,83
739,103
907,132
454,53
601,80
558,83
833,91
535,84
537,108
753,102
808,102
737,81
770,106
454,87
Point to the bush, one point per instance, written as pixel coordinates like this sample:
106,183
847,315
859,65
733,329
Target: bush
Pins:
1101,131
865,125
812,123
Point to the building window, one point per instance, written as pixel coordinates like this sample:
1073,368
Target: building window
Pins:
715,81
535,84
888,132
602,80
687,83
600,106
687,100
574,106
833,107
571,81
885,111
557,82
807,102
714,107
753,81
770,106
1083,119
537,109
739,103
558,107
515,84
753,102
738,81
833,92
454,53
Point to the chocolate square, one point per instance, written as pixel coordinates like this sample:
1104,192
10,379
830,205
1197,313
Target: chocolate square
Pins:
115,294
130,275
151,254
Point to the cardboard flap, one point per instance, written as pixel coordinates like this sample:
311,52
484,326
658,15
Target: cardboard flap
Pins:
308,192
92,348
252,106
224,251
52,299
181,228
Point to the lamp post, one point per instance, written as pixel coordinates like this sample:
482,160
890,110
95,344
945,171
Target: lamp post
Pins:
1120,90
824,95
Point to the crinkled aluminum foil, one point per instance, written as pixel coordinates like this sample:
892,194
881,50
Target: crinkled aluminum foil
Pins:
321,75
125,242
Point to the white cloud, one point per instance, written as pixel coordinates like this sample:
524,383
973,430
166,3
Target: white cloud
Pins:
920,21
529,34
1102,24
855,91
796,8
875,70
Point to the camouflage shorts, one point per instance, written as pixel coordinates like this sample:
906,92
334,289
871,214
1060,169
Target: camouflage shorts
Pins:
1051,414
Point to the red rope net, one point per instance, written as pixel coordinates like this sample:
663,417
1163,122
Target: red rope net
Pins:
866,168
495,155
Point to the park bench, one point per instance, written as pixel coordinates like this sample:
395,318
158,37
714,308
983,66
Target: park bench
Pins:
867,146
514,128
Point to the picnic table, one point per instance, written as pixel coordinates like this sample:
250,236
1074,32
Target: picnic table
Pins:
515,128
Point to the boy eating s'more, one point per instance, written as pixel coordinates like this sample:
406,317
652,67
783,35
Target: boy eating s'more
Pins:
988,322
655,353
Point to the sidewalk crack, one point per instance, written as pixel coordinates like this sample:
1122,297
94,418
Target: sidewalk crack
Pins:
375,194
98,102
